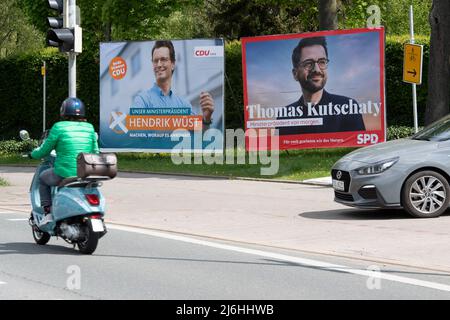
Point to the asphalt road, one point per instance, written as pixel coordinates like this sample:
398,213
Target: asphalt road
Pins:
133,263
290,216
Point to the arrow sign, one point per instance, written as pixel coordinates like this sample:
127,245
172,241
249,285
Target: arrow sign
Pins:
413,72
412,63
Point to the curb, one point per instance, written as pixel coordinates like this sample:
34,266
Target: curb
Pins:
311,182
305,182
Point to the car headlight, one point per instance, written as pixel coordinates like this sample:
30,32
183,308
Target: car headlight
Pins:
378,167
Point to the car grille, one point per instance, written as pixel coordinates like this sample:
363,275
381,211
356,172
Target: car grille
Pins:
345,177
343,196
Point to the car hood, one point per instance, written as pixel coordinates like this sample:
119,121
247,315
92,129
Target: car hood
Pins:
390,149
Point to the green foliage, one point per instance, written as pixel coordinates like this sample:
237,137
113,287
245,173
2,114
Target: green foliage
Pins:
108,20
16,34
21,99
17,147
394,15
234,102
244,18
398,93
21,92
189,22
3,182
398,132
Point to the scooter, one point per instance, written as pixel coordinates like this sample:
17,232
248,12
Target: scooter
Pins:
78,207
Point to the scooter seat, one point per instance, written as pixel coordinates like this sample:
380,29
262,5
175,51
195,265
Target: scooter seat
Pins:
67,181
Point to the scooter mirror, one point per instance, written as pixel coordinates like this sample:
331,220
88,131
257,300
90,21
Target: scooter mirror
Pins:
24,135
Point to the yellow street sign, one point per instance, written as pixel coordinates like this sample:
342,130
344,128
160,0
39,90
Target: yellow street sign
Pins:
412,63
43,71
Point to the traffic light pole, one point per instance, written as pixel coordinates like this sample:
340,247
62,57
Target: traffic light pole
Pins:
72,55
72,75
44,98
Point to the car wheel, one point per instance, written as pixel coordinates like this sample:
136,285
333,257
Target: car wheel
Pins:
426,194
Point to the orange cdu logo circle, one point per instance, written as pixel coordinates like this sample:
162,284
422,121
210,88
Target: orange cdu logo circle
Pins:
118,68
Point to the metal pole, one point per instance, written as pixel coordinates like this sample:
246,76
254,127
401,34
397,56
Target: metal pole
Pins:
414,90
72,55
44,74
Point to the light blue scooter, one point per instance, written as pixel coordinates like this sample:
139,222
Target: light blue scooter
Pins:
78,208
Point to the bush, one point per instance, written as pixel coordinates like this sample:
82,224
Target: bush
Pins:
234,97
16,147
3,182
398,132
21,89
21,98
399,110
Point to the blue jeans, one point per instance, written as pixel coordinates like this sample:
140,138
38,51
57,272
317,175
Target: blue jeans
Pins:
47,179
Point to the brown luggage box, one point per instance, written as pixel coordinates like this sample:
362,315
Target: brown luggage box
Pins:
96,165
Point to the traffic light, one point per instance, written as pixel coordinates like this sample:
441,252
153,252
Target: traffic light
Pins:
62,35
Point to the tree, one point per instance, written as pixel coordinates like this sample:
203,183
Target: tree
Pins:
394,15
328,15
233,19
16,34
438,99
107,20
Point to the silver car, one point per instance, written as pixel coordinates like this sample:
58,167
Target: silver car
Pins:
412,173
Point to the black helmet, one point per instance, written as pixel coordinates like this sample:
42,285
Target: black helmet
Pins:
72,107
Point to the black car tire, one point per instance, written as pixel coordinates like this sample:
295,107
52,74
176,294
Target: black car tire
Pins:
426,194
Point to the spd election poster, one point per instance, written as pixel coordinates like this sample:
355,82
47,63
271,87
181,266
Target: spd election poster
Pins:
156,95
319,90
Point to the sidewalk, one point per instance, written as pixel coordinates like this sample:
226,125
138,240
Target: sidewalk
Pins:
294,216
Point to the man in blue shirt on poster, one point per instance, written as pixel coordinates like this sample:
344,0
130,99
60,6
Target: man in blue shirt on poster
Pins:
161,94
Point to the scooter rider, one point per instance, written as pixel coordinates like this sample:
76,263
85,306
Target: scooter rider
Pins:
70,136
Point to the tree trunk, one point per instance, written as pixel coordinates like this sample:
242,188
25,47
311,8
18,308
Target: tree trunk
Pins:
438,99
328,14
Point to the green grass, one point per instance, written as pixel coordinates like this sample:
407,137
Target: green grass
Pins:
293,165
3,182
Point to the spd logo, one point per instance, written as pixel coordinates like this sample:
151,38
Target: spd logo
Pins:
365,138
208,52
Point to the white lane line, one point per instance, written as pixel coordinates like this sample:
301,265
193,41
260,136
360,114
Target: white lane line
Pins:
303,261
17,219
2,282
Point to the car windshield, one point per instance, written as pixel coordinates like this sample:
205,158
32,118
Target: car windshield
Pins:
437,131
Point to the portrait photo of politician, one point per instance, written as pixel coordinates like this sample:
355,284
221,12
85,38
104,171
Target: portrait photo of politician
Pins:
338,113
161,95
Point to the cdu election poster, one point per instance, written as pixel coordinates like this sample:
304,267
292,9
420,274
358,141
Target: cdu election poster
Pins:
157,96
318,90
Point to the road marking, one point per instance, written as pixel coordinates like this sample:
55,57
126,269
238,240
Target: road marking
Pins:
277,256
2,282
17,219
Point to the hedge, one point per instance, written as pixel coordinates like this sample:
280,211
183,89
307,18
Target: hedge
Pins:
13,146
17,147
21,88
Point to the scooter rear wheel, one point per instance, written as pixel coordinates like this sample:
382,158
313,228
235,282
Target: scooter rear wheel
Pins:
89,244
40,237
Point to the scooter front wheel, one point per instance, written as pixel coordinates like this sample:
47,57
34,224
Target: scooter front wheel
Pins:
90,242
39,236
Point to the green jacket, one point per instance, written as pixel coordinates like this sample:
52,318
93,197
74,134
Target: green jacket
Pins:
68,138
